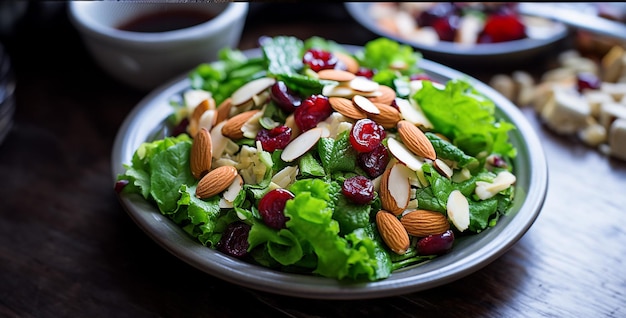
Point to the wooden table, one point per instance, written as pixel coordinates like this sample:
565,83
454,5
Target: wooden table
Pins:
68,249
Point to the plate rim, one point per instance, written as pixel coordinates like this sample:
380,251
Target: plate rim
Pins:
173,239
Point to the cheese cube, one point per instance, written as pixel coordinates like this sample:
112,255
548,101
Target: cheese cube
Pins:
616,90
617,138
566,112
609,112
596,98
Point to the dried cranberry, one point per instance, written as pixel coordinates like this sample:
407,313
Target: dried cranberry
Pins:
375,161
272,208
420,77
436,244
181,127
502,28
586,80
313,110
284,97
358,189
120,184
275,138
365,72
437,11
318,59
366,135
446,27
234,240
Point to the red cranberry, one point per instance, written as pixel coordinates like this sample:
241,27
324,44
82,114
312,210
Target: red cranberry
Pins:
375,161
502,28
284,97
366,135
318,59
313,110
586,80
437,11
436,244
120,184
358,189
446,27
272,208
365,72
420,77
181,127
275,138
234,240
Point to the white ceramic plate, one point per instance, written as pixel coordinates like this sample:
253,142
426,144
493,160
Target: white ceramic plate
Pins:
454,53
469,255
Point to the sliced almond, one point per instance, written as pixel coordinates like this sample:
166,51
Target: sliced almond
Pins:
443,168
301,144
392,232
365,105
246,92
207,120
352,65
363,84
412,113
336,75
223,110
218,141
388,117
346,107
395,188
193,97
233,189
387,96
290,122
458,210
422,223
200,155
194,118
404,155
232,128
415,139
337,91
216,181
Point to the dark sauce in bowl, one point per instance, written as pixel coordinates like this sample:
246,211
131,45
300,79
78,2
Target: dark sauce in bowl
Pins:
164,21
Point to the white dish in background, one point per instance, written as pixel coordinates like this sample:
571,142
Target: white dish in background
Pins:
457,53
469,255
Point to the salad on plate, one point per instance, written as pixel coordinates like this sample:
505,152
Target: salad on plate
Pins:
316,159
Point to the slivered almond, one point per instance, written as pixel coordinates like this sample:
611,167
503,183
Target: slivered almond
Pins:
346,107
422,223
404,155
388,116
443,168
200,156
232,128
387,96
365,105
301,144
352,65
415,139
458,210
245,93
194,119
363,84
395,188
223,110
392,232
336,75
216,181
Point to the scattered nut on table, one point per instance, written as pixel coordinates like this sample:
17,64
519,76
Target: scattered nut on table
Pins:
581,97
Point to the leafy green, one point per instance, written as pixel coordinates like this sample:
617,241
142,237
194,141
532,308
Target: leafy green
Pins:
337,154
382,53
462,114
310,167
446,150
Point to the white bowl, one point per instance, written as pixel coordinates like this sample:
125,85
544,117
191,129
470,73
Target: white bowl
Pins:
144,60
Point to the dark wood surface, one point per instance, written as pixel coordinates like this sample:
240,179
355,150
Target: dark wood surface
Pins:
68,249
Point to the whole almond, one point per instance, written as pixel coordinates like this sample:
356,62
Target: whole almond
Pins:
388,117
223,110
346,107
232,128
335,75
352,65
422,223
387,96
415,139
392,232
216,181
201,156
